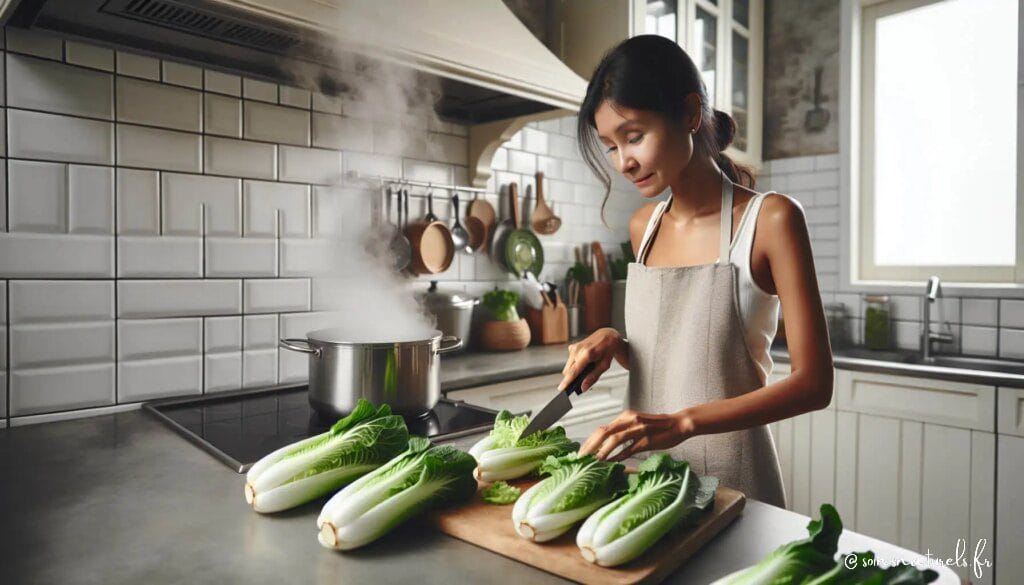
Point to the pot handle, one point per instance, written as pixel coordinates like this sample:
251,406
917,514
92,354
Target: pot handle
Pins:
305,348
456,344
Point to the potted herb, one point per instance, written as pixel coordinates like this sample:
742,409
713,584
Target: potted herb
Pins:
505,330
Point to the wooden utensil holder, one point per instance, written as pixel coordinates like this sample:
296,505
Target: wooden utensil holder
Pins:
597,305
549,324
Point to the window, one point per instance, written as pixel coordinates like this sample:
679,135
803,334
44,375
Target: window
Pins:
938,166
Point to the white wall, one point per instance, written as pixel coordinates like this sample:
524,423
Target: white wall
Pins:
114,288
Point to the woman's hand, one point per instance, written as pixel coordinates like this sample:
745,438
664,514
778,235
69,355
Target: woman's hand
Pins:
600,347
638,431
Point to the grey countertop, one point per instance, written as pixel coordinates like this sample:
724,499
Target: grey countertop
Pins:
123,499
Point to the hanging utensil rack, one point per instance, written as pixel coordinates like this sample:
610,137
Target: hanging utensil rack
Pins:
357,176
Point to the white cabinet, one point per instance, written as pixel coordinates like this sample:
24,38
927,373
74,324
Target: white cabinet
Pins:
725,38
1009,510
603,402
916,462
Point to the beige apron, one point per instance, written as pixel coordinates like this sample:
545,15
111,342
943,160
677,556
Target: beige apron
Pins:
687,347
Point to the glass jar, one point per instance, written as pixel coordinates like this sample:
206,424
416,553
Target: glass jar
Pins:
835,319
877,322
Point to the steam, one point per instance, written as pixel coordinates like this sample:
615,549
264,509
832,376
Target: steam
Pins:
354,281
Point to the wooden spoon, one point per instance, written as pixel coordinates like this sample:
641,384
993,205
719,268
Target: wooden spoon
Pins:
544,219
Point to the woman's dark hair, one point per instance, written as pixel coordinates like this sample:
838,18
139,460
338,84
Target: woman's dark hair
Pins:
650,72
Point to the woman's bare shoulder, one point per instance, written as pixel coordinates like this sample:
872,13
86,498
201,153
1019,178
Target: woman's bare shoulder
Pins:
638,223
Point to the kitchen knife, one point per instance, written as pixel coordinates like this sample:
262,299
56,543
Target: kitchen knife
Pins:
558,406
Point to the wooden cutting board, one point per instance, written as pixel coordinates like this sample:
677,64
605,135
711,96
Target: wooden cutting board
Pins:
490,527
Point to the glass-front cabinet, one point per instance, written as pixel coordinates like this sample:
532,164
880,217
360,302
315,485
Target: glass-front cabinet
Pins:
725,39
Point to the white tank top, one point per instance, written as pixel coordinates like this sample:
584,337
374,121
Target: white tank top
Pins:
758,309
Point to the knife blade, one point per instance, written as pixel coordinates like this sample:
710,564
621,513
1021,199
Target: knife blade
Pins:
556,408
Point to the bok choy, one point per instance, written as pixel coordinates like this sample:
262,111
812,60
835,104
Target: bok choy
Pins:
303,471
504,455
575,487
420,478
663,495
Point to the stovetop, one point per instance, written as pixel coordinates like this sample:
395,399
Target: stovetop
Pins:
239,428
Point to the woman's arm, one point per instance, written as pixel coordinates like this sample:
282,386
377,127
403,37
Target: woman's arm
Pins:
784,231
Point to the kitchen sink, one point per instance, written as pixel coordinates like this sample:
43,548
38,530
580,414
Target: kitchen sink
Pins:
942,361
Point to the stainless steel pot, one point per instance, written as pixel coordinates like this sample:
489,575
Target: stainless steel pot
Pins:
453,310
402,374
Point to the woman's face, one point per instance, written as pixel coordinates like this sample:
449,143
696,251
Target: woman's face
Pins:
642,145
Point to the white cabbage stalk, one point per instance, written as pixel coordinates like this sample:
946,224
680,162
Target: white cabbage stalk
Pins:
315,467
420,478
662,496
504,455
576,487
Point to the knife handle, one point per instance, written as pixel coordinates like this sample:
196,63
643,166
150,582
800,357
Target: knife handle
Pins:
576,386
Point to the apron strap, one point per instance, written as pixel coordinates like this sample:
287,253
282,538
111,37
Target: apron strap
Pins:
725,228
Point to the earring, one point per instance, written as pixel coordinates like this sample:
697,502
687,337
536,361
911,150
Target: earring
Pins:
693,130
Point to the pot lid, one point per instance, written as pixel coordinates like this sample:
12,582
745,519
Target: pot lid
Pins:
348,336
437,299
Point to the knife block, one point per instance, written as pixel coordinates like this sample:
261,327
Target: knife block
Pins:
549,324
597,306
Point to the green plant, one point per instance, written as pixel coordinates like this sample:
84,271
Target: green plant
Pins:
503,454
500,493
581,273
502,304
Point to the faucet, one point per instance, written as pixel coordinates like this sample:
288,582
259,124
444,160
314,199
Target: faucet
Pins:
933,290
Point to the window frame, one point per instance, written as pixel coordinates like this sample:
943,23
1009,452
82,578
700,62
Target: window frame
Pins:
858,273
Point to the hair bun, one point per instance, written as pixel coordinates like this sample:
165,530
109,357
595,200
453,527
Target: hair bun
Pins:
725,129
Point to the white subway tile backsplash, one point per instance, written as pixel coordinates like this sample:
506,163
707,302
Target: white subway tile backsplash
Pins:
295,97
61,344
259,368
535,141
980,311
42,390
181,74
339,132
309,165
373,164
1011,343
178,298
90,199
159,257
238,158
241,257
53,137
1011,313
225,83
223,334
979,340
159,104
430,172
138,66
307,257
276,296
37,196
38,84
792,165
273,123
276,209
184,197
223,115
60,301
259,332
33,42
254,89
152,148
162,378
25,255
448,148
328,104
140,339
88,55
223,372
138,202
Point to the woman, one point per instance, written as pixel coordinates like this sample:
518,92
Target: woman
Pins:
698,329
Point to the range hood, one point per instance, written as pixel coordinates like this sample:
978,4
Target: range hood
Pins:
488,65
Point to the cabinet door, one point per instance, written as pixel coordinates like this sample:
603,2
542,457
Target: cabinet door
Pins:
1009,511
